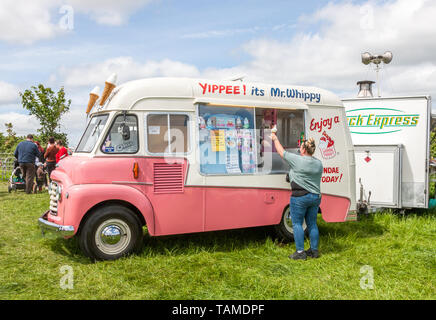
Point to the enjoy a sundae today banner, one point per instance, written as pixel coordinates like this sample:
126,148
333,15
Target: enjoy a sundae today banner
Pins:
326,128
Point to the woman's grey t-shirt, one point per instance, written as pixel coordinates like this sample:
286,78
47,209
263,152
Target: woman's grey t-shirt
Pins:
305,171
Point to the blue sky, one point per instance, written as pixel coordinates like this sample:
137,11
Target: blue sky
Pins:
300,42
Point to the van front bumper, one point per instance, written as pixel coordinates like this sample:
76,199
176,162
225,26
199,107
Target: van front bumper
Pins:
47,226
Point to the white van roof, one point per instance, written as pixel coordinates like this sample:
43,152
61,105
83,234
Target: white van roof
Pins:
137,95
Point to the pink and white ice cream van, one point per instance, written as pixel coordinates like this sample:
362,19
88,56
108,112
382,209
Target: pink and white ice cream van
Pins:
191,155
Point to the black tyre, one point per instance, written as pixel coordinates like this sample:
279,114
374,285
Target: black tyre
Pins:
111,232
9,188
284,229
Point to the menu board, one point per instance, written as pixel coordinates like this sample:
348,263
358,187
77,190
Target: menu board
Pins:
226,140
217,140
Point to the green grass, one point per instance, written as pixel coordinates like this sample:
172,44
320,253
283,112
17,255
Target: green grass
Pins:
236,264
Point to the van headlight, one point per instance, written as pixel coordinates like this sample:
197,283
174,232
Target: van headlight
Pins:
58,193
55,191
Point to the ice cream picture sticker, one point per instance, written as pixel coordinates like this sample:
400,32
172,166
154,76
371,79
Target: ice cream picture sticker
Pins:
327,146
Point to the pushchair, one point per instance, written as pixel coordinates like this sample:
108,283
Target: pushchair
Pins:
16,181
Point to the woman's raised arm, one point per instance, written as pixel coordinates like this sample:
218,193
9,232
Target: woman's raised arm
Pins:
277,144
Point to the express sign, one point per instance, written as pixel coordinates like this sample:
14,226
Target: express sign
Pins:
379,120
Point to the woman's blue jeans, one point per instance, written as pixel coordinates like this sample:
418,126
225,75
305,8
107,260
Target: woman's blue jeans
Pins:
305,208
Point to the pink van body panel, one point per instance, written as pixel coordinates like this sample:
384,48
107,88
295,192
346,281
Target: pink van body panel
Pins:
91,181
334,208
171,208
84,197
231,208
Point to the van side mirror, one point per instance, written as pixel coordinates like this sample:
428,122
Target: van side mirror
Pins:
125,131
124,128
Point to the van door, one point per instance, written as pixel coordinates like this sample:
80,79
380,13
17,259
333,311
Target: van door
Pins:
177,208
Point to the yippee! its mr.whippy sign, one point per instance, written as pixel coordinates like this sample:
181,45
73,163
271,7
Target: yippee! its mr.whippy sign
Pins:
225,89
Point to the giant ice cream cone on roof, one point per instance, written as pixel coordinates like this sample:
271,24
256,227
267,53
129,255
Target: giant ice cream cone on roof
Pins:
108,87
93,97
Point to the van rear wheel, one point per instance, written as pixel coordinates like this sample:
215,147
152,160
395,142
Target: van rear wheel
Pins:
111,232
284,229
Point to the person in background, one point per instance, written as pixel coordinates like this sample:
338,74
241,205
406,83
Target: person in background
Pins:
26,153
41,152
62,153
305,177
41,178
50,156
41,174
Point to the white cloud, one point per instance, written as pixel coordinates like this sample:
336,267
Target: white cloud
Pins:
74,123
237,31
25,22
108,12
220,33
126,68
8,93
23,124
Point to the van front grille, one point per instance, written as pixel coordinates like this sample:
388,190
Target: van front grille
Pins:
53,198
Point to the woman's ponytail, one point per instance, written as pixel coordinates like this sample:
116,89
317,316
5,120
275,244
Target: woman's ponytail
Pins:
309,146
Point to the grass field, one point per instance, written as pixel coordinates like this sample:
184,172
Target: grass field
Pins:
237,264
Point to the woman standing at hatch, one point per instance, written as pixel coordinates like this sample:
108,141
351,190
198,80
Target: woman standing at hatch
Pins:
305,176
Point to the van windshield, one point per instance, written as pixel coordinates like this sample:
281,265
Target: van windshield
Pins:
92,133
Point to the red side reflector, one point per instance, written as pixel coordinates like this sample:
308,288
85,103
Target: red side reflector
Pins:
135,170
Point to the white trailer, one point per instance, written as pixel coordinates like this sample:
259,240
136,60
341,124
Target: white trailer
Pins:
391,137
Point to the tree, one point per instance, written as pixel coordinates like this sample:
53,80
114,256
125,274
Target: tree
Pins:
10,141
2,143
48,107
433,144
11,138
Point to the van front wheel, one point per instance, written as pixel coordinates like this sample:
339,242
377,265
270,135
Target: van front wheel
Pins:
284,229
111,232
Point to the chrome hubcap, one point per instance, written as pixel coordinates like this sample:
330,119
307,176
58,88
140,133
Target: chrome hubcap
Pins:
113,236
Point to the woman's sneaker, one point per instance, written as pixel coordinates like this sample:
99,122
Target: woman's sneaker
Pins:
312,253
298,256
